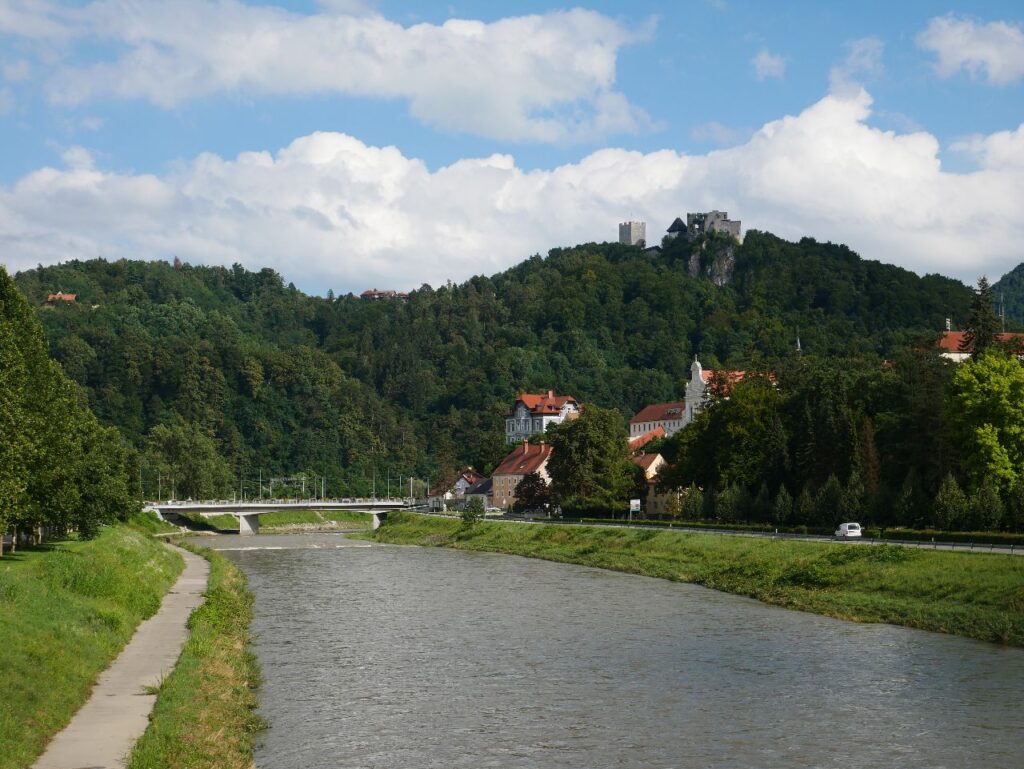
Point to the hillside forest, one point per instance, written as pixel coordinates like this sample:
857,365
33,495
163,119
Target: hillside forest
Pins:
218,379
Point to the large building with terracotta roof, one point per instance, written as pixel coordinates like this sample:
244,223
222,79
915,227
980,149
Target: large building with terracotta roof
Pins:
532,414
951,341
523,460
667,417
673,417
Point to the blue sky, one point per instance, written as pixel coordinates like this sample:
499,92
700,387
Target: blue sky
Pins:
349,143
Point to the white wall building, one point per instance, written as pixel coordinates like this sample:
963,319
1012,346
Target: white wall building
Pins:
633,233
532,414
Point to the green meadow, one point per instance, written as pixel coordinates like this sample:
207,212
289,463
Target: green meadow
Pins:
67,610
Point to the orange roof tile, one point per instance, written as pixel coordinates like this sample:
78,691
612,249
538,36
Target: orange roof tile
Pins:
526,458
639,441
660,412
951,340
543,403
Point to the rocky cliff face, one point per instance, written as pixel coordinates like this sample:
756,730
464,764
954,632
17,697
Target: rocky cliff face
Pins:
714,259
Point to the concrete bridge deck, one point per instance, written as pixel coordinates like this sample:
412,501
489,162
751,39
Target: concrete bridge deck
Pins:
248,512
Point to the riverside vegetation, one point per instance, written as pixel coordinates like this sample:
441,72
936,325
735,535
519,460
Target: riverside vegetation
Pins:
205,709
68,608
973,595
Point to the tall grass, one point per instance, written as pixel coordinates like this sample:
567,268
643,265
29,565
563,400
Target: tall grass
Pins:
969,594
66,610
204,714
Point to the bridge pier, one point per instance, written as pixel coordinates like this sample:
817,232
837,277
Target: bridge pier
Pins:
376,518
249,525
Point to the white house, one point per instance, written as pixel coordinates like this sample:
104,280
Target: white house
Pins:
532,414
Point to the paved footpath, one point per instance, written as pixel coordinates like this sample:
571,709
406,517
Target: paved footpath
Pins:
103,731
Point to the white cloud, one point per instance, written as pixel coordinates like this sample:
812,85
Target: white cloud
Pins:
995,48
998,150
863,60
330,211
768,65
547,78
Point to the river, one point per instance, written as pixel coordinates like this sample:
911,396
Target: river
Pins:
406,658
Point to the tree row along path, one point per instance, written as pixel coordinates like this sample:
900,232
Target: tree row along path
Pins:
103,731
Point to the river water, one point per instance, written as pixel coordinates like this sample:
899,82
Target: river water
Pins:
405,658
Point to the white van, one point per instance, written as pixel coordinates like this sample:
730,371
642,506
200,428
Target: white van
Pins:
847,530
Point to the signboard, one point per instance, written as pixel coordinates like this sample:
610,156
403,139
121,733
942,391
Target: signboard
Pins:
634,505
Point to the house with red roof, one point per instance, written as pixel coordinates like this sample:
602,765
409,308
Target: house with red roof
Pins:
673,417
637,442
666,417
532,414
951,343
60,296
524,459
453,493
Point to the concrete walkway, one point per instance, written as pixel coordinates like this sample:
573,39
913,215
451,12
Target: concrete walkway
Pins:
103,732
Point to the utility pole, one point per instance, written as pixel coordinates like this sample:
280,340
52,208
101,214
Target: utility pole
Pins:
261,484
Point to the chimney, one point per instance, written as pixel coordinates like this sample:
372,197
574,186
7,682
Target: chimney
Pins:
949,324
551,394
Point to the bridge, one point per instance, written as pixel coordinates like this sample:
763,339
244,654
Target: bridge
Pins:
248,512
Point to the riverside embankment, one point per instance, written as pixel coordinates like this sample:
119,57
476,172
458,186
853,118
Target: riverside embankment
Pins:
68,609
973,595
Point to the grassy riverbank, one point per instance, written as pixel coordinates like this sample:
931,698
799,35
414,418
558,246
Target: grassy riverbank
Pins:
291,520
67,609
205,709
967,594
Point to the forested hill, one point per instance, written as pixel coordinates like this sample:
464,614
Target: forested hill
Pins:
241,366
1008,293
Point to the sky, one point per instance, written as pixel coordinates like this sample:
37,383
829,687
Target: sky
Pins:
351,144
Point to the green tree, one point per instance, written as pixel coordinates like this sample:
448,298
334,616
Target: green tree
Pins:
532,493
692,503
188,454
782,508
588,466
951,508
473,511
982,328
827,503
986,507
986,408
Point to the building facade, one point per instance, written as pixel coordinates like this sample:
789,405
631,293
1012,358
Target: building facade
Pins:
633,233
523,460
707,221
453,494
670,417
532,414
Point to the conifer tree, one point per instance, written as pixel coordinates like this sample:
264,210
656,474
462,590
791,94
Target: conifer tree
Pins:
782,509
951,507
982,328
986,507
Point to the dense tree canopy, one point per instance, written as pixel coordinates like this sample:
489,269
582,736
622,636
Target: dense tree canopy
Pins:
59,467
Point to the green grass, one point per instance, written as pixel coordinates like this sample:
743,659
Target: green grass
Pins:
968,594
66,610
148,523
205,710
287,519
